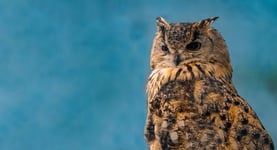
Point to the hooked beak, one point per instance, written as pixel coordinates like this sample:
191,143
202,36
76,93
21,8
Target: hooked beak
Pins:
177,59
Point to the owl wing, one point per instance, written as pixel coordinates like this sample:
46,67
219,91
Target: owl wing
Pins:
245,130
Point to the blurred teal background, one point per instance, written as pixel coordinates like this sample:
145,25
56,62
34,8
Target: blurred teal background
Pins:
73,72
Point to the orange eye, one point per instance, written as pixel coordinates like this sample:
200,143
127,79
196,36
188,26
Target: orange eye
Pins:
194,46
164,48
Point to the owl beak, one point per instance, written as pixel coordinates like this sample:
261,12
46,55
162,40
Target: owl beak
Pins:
177,59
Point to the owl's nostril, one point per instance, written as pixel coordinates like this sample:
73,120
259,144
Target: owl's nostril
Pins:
177,59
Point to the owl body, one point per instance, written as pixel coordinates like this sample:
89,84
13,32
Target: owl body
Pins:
192,102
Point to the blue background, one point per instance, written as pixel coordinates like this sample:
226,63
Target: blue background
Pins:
73,72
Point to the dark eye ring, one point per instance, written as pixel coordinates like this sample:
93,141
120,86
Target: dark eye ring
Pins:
165,48
194,46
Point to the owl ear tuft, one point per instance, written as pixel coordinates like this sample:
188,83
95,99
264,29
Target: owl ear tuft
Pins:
206,22
162,24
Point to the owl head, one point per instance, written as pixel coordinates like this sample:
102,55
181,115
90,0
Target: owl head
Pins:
177,44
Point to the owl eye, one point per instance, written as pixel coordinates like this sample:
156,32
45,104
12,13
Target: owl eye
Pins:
194,46
165,48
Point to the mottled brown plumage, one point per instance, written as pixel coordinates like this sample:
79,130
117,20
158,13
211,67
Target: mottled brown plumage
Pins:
192,102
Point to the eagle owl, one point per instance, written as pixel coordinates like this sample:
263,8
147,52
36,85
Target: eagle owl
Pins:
192,102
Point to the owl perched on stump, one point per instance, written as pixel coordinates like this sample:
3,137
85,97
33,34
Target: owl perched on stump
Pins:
192,102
